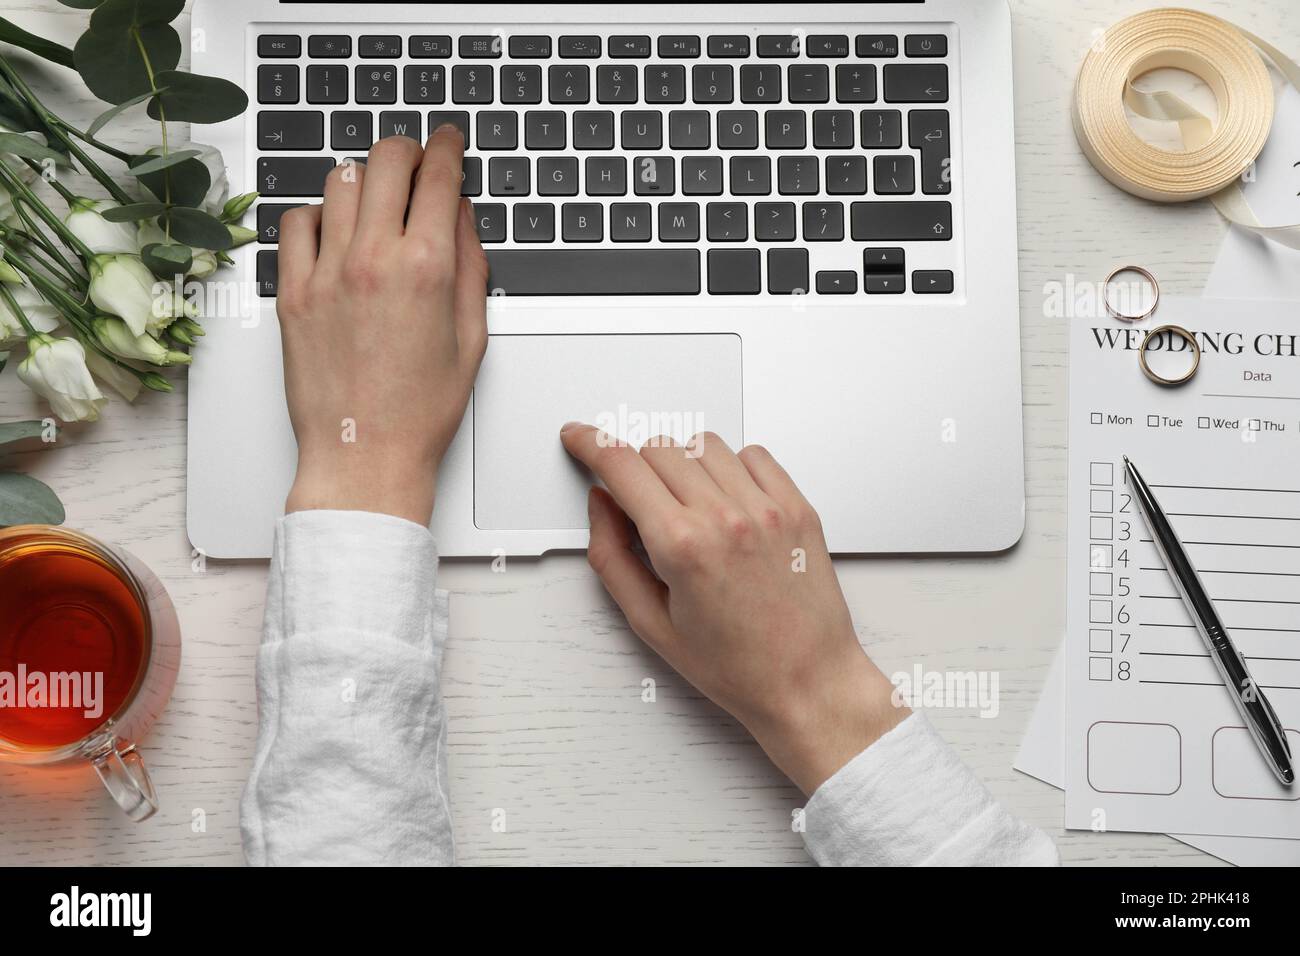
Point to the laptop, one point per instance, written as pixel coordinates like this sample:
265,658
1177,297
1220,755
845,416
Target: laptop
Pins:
790,224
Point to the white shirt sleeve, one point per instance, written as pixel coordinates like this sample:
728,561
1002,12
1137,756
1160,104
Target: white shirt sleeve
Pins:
350,765
908,800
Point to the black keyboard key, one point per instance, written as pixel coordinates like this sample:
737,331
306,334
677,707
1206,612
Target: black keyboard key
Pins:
268,219
293,175
760,83
471,176
927,130
774,222
654,176
534,222
400,123
530,48
498,131
916,83
809,83
837,283
376,84
882,129
595,271
327,84
689,129
932,282
329,47
593,129
729,46
290,129
637,47
778,46
521,84
557,176
351,130
855,83
833,129
458,118
823,221
606,176
481,47
785,129
751,176
683,47
894,175
508,176
728,221
901,220
630,222
424,84
702,175
277,83
379,47
280,46
665,83
827,46
643,129
737,129
797,176
713,83
471,83
490,219
887,260
569,83
881,283
616,84
544,129
580,48
846,175
787,271
734,272
582,222
429,47
926,44
679,222
877,45
268,272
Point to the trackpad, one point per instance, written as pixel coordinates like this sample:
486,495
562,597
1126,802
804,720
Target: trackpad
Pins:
632,386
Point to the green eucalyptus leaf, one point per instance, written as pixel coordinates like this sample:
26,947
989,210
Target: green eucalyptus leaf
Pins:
166,260
47,49
24,500
15,111
189,181
196,228
81,4
124,14
193,98
110,62
17,431
155,163
106,117
134,212
20,145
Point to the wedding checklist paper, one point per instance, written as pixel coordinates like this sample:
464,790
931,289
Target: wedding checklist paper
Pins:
1152,740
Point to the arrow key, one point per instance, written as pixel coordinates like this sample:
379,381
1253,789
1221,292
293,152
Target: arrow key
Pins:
932,282
837,283
885,283
916,82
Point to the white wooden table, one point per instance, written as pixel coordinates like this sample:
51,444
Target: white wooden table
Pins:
543,680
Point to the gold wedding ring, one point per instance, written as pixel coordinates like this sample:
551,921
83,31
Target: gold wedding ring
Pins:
1171,330
1105,293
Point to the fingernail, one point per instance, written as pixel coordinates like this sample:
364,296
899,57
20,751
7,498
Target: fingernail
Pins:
448,128
568,425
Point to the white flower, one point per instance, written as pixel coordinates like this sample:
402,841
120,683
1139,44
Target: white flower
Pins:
209,156
205,260
124,286
86,221
113,375
114,335
56,370
42,316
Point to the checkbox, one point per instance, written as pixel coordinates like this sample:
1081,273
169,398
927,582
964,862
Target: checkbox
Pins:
1095,418
1101,502
1101,529
1100,668
1253,424
1100,557
1153,421
1099,583
1101,640
1202,422
1101,473
1101,612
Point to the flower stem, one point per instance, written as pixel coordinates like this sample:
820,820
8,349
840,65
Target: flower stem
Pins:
17,310
32,234
19,190
57,186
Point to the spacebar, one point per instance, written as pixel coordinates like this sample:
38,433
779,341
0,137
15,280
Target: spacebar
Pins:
594,271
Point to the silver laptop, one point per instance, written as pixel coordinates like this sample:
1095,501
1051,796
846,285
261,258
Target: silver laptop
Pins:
791,224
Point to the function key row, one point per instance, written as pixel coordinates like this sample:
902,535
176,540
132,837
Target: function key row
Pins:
494,46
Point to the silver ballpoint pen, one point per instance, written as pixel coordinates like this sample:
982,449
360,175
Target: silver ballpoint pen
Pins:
1250,701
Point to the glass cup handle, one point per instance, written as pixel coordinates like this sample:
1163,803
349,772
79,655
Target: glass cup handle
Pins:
122,771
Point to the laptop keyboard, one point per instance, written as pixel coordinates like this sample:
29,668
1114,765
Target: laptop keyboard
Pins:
649,163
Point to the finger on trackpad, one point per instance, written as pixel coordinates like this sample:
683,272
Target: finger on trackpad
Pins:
633,386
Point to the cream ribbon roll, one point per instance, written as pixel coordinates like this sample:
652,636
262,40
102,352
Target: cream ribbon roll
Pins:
1228,60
